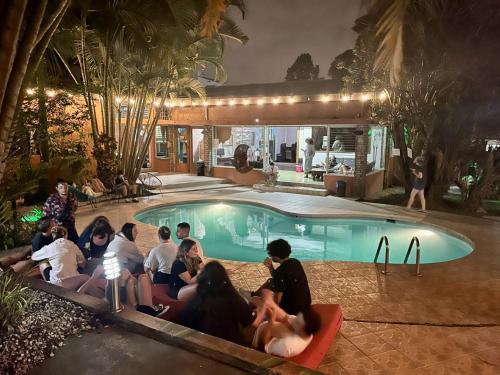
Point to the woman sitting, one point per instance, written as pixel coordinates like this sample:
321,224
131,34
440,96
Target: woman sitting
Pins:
218,309
126,250
184,273
65,257
96,237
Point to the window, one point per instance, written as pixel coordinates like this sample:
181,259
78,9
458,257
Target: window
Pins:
162,136
226,139
342,139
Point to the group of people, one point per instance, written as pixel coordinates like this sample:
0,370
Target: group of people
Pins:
277,318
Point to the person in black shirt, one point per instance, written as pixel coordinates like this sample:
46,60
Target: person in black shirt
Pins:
418,184
218,309
289,281
185,271
43,236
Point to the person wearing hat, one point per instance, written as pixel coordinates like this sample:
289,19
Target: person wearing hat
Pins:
418,184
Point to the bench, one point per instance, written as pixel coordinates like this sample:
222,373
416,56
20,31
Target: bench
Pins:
160,295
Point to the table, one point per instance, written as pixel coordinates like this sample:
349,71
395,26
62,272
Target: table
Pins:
317,174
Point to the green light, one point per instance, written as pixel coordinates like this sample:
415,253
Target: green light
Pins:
34,215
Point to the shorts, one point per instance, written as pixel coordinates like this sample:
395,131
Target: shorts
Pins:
161,278
419,185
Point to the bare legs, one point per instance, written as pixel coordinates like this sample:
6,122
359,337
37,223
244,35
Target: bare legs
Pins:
187,292
421,196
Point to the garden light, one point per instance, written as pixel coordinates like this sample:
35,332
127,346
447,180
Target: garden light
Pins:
112,273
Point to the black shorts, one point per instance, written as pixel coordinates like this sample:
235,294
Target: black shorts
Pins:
161,278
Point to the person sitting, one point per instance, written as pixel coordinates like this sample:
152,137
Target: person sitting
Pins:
218,309
125,248
329,163
44,235
62,206
182,233
160,259
337,145
88,242
271,172
65,257
98,186
126,189
185,271
88,190
283,334
289,281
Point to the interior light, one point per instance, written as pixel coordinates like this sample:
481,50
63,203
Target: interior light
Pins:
131,101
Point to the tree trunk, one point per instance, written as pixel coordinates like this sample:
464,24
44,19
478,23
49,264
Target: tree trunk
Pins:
399,141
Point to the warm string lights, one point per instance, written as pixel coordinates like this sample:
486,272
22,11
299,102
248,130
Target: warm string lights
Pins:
259,101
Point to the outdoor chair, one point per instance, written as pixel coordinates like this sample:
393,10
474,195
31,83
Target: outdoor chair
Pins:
81,197
150,182
160,295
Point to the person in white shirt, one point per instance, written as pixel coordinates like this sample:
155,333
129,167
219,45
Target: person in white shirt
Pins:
271,172
285,335
159,261
125,248
182,233
65,257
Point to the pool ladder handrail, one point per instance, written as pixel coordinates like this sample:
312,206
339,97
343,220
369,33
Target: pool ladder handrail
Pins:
386,262
416,241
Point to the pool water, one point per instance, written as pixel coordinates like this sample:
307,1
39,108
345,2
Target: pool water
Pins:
235,231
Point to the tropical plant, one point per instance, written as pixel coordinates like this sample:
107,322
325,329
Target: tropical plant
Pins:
135,58
14,299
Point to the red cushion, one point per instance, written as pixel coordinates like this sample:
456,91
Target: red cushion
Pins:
331,320
160,295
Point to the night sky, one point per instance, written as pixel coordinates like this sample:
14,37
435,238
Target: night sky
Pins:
280,30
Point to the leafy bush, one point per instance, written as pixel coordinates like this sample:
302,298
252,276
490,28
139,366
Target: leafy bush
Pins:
107,162
14,299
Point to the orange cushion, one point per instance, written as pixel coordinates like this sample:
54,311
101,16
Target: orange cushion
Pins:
160,295
331,320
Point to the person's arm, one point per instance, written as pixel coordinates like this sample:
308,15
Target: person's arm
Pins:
80,258
186,277
277,297
269,264
151,263
40,254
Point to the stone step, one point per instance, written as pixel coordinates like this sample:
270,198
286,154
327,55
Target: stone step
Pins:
292,189
193,188
317,185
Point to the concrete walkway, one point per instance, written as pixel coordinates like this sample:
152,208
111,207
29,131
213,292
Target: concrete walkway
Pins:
116,351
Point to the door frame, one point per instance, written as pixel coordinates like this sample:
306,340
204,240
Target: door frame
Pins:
182,167
192,163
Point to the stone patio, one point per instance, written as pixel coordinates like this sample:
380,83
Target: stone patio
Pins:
446,322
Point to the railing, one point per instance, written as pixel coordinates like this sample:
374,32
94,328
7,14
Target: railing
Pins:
414,240
386,263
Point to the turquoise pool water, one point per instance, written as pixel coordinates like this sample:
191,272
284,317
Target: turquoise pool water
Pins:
235,231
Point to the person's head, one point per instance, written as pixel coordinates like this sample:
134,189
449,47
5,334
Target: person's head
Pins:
308,321
309,141
99,221
419,161
130,231
59,232
271,163
183,230
100,235
188,254
45,224
62,188
278,250
164,233
214,280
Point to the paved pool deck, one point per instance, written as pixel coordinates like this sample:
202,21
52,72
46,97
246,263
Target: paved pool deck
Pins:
444,322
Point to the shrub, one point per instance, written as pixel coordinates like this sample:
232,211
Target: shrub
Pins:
14,299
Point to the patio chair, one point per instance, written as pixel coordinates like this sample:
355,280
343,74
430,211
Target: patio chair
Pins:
150,182
81,197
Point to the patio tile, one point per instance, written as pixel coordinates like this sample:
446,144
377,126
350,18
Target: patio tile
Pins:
394,361
468,364
371,344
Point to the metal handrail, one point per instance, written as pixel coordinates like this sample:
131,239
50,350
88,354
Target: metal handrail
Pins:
386,263
416,241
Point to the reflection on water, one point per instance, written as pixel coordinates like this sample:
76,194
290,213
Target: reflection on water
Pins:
241,232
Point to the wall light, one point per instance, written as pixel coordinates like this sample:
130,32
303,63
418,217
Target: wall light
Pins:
205,103
365,97
276,101
232,102
181,104
325,98
257,120
218,103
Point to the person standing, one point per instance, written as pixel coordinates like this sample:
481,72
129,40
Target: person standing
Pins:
62,206
309,153
418,184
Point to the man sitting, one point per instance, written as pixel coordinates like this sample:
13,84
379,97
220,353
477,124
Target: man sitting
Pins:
44,235
182,233
160,259
289,281
271,172
126,189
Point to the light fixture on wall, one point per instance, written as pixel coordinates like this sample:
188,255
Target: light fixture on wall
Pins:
325,98
232,102
257,120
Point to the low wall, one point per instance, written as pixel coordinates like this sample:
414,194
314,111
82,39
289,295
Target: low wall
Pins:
330,180
374,183
253,177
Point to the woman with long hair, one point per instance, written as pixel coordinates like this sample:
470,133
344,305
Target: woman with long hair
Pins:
185,271
125,248
86,233
218,309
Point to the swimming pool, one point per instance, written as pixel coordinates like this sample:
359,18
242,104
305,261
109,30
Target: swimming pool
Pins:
236,231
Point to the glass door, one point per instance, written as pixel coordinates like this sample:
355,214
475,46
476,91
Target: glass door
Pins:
182,154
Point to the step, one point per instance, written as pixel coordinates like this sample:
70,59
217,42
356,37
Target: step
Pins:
193,188
292,189
317,185
176,181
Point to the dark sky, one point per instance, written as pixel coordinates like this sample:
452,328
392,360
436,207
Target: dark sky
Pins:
280,30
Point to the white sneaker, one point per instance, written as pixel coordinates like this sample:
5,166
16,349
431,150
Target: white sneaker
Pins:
128,200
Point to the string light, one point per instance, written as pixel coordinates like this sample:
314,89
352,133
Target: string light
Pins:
325,98
205,103
260,101
232,102
276,101
365,97
218,103
345,98
246,102
291,100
